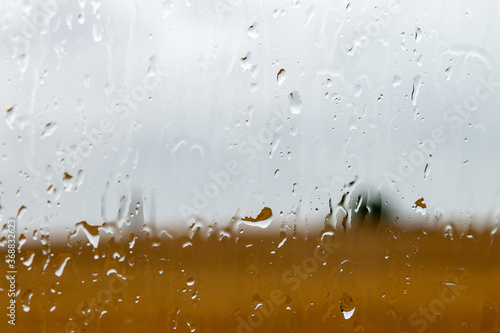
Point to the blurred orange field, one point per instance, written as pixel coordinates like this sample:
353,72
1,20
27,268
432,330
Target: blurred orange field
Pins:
389,280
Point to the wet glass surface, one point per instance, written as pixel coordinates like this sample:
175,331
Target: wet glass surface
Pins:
245,166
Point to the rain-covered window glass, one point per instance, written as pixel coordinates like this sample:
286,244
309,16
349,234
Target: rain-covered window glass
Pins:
249,166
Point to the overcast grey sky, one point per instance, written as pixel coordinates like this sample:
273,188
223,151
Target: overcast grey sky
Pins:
219,108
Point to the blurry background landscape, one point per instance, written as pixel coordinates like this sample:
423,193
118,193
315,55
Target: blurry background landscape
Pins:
171,163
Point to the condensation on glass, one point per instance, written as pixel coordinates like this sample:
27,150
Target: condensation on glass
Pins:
236,165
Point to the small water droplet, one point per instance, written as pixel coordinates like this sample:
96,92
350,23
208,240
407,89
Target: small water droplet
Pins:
417,84
86,81
48,130
26,300
10,118
97,32
281,76
420,206
295,102
153,66
246,62
63,259
21,211
447,73
396,81
131,242
283,239
418,35
253,31
30,255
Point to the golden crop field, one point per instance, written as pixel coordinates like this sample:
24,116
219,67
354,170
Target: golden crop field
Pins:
390,280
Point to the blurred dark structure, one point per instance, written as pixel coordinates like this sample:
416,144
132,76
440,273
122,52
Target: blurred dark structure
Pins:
364,206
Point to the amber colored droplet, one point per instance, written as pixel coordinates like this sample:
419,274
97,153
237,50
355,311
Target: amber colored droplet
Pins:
420,203
265,214
21,210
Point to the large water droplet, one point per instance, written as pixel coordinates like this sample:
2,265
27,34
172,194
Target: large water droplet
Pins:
347,306
263,220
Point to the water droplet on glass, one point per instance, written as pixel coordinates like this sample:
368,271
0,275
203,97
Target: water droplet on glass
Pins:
281,76
417,84
63,260
295,102
30,255
97,31
48,129
263,220
10,118
396,81
253,31
347,306
90,231
26,300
